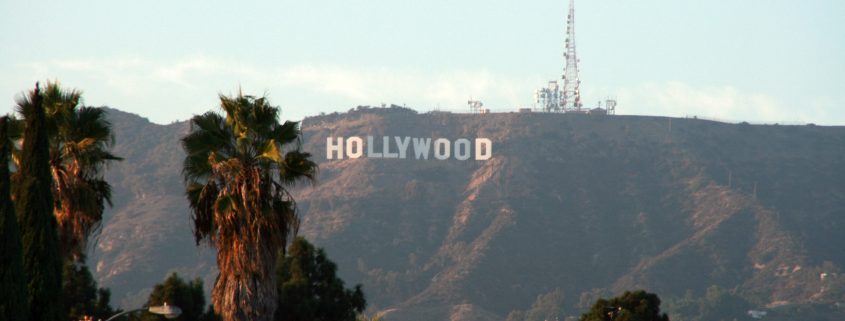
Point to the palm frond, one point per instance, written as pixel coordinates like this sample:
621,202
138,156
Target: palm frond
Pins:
208,134
79,140
288,133
296,167
14,131
236,170
202,199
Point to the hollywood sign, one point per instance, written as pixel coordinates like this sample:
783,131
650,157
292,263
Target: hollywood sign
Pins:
405,147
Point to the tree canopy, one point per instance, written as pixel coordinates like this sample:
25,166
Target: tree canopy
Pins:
34,201
237,170
630,306
80,139
309,289
82,297
187,295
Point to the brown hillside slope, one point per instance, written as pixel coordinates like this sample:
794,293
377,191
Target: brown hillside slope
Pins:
567,201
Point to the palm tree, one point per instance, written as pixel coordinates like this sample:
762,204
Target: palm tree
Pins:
237,173
79,141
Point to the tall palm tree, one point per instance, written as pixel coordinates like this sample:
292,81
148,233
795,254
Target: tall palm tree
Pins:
237,173
79,140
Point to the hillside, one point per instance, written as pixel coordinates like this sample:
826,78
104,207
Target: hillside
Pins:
146,234
588,205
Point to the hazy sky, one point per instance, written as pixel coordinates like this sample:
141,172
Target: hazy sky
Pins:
754,60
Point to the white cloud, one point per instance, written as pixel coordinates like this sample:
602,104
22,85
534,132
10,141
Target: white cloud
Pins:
373,85
676,98
167,91
333,85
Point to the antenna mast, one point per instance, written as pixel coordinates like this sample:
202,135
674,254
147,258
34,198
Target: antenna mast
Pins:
571,98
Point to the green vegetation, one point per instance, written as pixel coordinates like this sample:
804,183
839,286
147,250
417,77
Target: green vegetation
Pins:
188,296
41,254
12,282
630,306
79,139
309,289
717,208
75,140
82,297
237,171
60,194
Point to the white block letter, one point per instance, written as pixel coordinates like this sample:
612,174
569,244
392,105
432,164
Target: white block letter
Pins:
337,148
422,146
488,149
370,147
387,153
402,144
354,147
441,144
461,149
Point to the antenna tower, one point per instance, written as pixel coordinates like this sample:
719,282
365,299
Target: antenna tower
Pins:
474,105
571,97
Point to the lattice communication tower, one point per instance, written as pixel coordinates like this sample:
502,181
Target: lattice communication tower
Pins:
571,98
565,98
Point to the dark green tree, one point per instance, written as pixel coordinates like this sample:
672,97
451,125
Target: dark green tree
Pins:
630,306
103,306
12,282
309,289
188,296
237,172
78,140
42,259
82,297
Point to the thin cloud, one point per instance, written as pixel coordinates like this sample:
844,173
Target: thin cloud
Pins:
168,91
180,88
676,98
370,85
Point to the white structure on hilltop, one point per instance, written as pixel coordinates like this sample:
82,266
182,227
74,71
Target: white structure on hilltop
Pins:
566,98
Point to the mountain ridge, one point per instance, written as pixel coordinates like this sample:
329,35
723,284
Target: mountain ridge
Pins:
582,203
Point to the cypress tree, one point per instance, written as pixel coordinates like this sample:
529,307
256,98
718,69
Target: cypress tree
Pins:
12,284
309,288
42,260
